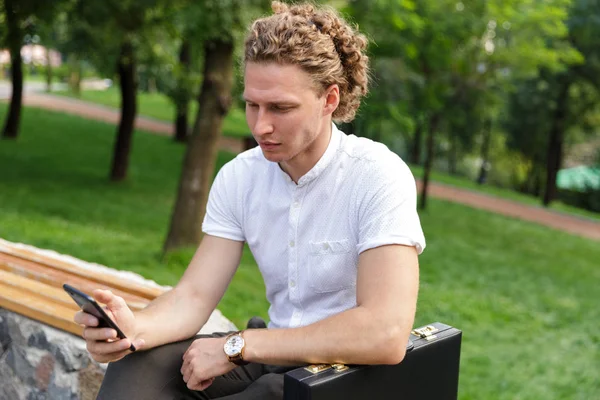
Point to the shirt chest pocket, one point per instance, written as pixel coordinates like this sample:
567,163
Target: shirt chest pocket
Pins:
332,266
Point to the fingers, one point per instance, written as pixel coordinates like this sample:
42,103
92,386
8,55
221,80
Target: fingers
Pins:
193,382
102,347
83,318
202,385
105,358
108,351
94,334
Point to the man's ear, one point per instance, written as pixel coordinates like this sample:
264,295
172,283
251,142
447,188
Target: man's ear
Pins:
332,99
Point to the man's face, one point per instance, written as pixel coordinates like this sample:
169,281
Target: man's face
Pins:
285,115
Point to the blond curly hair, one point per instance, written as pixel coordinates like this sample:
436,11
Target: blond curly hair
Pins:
320,42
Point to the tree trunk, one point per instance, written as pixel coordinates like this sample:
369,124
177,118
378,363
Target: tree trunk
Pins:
538,181
485,151
152,85
415,153
433,124
183,100
122,149
453,155
214,102
75,75
14,37
555,144
48,70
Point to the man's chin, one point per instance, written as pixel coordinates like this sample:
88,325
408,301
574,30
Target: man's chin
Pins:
273,156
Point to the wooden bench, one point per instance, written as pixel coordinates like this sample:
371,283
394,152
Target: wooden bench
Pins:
31,285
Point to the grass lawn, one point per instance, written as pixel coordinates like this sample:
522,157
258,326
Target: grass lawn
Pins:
525,296
158,106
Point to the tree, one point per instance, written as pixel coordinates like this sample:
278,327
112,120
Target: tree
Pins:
460,51
21,16
116,27
584,31
14,38
183,100
556,103
223,21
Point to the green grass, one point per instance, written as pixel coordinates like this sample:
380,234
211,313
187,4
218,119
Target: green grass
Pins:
525,296
158,106
466,183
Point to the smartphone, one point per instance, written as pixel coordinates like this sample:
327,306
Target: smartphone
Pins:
90,306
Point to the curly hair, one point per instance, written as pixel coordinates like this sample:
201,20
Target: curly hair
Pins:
320,42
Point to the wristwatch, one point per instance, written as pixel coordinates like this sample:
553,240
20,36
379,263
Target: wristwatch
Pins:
234,348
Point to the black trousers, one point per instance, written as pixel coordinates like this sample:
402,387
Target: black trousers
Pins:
155,375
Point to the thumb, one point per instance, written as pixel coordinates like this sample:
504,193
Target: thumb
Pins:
113,303
102,296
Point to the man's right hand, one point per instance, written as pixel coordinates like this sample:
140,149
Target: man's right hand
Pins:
103,343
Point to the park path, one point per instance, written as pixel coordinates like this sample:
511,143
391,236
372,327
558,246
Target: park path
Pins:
573,224
111,115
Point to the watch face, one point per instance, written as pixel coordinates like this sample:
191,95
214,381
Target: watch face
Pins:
234,345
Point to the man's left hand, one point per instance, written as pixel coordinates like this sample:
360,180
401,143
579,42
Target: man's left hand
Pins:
203,361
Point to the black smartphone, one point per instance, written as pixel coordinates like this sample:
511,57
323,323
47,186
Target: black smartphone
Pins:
90,306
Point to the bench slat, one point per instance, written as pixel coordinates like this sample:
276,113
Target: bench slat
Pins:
56,278
38,308
97,276
28,286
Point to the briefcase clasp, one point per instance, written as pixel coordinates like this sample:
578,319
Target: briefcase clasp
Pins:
426,332
316,368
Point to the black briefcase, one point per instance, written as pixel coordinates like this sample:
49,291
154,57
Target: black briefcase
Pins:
429,371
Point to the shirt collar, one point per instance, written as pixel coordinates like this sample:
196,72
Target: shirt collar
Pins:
326,158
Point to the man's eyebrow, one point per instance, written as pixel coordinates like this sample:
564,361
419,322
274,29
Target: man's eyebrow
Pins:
276,102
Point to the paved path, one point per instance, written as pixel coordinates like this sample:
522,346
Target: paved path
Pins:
569,223
32,97
573,224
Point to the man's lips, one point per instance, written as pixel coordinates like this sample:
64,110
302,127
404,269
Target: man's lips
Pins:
269,145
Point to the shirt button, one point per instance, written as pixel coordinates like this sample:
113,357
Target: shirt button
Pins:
326,246
292,283
292,243
296,204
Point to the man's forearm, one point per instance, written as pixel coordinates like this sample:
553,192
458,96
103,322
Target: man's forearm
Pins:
352,337
170,317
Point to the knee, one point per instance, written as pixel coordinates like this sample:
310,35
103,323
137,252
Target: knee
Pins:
144,370
271,385
147,363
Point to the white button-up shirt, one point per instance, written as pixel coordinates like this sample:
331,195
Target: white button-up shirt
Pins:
306,237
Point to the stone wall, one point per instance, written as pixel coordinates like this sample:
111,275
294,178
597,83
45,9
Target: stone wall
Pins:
39,362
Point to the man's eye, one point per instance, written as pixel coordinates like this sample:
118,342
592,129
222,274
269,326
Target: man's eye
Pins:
281,109
251,105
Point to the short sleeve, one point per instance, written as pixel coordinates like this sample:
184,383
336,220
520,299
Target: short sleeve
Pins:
388,208
222,216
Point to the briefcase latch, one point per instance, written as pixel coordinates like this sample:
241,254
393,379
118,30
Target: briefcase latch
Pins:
426,332
315,369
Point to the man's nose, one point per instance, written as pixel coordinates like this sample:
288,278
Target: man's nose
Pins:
264,124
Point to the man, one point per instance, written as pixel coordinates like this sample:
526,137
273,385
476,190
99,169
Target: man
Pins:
331,221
